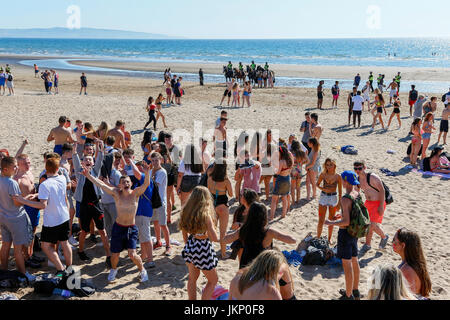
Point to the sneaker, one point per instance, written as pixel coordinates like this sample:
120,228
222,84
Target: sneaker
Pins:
149,265
83,256
365,248
112,275
371,129
73,242
108,262
344,297
37,259
30,277
356,294
384,242
157,245
32,264
143,276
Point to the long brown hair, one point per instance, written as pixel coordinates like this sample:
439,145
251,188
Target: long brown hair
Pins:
415,258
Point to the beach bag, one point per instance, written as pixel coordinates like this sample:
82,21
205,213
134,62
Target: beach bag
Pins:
85,289
314,257
426,165
408,152
349,150
387,192
12,280
359,218
156,198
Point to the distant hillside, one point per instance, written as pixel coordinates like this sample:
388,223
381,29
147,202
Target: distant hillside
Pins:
83,33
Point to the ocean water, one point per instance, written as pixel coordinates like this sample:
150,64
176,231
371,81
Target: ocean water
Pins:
347,52
417,53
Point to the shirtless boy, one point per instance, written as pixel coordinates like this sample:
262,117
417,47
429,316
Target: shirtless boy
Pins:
228,91
315,128
444,124
375,204
119,135
124,231
25,179
60,135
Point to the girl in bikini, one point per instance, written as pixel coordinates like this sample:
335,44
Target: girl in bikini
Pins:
380,107
329,199
168,91
220,186
159,114
300,159
282,186
416,141
236,98
396,112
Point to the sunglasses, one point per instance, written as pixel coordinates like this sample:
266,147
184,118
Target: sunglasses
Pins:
358,168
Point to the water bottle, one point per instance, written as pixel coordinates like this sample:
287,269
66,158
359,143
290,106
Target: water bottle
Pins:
63,293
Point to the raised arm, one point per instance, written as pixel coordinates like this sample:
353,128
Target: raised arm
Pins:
22,147
109,190
141,189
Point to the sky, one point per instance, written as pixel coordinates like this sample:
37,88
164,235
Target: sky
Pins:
242,19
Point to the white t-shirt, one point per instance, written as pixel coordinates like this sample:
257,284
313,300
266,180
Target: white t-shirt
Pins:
182,169
54,191
357,103
161,180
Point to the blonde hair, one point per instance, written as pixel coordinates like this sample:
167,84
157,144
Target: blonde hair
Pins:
387,283
265,267
194,214
103,126
325,164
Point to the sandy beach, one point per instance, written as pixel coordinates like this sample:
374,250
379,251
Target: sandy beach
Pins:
421,203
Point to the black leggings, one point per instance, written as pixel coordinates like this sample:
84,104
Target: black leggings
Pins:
151,115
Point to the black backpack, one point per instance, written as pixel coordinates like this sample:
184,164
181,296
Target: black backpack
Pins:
314,257
387,193
10,77
426,165
156,198
408,152
444,97
12,279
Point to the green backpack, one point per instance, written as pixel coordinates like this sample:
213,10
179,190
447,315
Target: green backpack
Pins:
359,218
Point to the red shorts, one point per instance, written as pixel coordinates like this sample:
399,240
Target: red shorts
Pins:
412,102
372,207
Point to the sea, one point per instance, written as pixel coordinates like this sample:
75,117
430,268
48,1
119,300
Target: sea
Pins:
400,52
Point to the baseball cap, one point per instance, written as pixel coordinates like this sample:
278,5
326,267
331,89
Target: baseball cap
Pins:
350,177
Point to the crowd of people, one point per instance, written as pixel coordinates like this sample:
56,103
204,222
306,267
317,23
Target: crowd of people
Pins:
6,81
94,176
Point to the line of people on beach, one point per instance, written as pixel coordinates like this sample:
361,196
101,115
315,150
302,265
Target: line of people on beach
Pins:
6,81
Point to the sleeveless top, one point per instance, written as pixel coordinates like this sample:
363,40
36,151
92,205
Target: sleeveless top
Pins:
251,251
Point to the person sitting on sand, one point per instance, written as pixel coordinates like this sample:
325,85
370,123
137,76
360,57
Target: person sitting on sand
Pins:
60,135
124,231
396,112
438,163
197,220
387,283
408,246
261,279
256,235
329,199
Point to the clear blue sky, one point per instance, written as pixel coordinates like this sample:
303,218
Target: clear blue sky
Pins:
233,19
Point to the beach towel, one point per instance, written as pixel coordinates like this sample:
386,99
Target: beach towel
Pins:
434,174
293,258
388,172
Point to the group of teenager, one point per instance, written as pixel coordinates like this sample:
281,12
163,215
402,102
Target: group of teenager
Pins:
6,81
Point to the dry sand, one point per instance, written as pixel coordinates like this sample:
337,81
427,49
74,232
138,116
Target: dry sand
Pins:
421,204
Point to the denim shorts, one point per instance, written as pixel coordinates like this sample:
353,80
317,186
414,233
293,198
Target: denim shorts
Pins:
282,185
188,183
